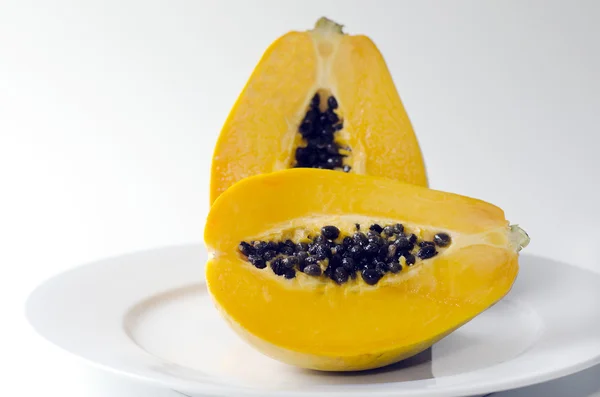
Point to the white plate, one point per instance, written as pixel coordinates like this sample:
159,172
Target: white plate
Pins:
148,316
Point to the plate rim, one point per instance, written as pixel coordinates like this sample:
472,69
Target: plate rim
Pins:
190,386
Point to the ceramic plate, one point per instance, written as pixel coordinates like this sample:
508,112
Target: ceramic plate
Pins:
148,316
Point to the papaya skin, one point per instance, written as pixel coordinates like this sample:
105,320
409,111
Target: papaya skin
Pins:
261,131
320,325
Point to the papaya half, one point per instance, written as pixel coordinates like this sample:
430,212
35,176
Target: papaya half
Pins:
335,271
318,99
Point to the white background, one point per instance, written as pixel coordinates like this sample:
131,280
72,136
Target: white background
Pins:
109,112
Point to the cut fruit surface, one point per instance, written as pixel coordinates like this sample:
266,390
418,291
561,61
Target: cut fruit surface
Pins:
318,99
313,320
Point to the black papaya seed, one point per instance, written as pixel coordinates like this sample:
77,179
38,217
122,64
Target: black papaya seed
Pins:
290,243
394,267
381,267
348,264
330,232
332,117
441,239
388,230
398,228
290,273
412,238
370,276
372,234
302,256
409,259
340,275
301,247
383,252
270,254
290,262
339,249
257,261
427,251
375,240
335,260
312,270
360,238
306,129
357,251
260,246
334,161
322,251
277,267
315,101
403,243
372,248
245,248
287,250
332,102
320,239
311,116
311,260
332,148
376,228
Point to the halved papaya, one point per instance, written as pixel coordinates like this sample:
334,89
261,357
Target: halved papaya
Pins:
334,271
318,99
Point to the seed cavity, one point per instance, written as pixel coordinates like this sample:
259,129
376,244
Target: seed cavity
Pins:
319,130
340,257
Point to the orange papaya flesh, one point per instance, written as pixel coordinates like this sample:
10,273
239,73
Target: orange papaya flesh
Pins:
316,322
318,99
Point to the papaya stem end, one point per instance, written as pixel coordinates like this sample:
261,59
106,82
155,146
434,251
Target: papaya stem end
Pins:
519,237
326,24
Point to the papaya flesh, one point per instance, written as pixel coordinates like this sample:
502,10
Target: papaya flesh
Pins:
313,320
318,99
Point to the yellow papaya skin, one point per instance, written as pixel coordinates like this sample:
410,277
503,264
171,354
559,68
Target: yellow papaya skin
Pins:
260,134
317,324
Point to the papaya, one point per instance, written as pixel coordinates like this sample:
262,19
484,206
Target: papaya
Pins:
318,99
342,272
